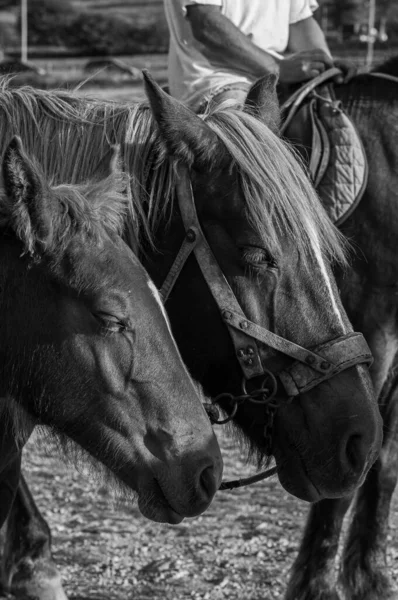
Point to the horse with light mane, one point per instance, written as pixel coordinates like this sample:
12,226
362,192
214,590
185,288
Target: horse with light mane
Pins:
369,290
369,293
271,249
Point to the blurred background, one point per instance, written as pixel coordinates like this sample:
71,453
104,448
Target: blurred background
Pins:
54,43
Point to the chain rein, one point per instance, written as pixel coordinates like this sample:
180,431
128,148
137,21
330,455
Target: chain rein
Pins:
264,395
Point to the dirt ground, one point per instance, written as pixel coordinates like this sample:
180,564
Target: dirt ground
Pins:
241,548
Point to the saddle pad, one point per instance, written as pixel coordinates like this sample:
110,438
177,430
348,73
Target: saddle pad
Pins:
330,146
345,177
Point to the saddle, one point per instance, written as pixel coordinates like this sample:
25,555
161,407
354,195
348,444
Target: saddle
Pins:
326,138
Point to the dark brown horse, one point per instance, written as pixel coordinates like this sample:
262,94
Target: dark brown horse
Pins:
273,244
86,348
369,290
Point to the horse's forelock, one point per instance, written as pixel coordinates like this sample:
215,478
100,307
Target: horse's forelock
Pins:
97,209
279,197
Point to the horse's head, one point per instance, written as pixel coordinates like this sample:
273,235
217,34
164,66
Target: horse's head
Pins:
274,245
86,347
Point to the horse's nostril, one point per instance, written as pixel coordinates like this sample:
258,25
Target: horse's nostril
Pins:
208,482
356,452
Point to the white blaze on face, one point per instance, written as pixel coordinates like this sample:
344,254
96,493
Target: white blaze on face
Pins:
158,299
322,267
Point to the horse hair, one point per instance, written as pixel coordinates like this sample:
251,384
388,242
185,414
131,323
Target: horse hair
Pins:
96,209
70,137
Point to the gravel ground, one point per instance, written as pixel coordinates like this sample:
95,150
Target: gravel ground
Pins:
242,547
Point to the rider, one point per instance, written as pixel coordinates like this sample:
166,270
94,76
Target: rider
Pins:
218,48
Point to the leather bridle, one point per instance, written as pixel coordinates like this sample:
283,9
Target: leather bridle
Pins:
310,367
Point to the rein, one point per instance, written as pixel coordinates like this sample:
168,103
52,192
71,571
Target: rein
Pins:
290,107
310,367
386,76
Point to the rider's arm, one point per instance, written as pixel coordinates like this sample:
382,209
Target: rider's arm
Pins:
223,41
307,35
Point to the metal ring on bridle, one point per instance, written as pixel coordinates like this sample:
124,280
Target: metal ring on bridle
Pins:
265,394
229,397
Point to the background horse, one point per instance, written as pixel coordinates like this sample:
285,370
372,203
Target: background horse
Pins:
86,348
370,295
272,241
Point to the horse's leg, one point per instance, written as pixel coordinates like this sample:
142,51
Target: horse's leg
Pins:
28,570
313,575
9,481
364,574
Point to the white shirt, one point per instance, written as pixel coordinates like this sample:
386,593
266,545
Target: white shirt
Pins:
192,76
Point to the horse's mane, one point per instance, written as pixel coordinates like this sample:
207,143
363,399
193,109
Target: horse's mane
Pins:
279,197
71,136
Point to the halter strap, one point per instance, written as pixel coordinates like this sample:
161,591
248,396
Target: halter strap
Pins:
310,366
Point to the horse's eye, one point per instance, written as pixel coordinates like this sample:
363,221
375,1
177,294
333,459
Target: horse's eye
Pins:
258,257
110,323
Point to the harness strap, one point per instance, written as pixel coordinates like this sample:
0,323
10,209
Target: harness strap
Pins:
342,353
190,241
247,352
317,362
384,76
310,367
294,101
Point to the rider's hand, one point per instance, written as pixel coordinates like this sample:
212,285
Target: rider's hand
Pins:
348,71
303,66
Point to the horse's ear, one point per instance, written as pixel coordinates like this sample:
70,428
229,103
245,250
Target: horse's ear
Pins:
31,216
186,135
262,102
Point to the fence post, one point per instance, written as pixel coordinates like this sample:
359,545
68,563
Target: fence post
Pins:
24,30
371,37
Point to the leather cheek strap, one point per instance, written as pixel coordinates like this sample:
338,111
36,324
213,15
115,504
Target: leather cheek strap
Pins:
310,367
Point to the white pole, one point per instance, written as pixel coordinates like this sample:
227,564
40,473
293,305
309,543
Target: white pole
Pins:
24,30
371,37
